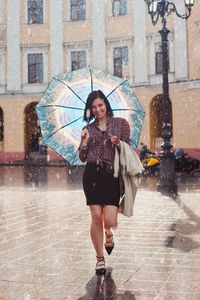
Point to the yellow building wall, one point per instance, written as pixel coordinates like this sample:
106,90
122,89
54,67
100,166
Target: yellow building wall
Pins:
185,109
185,100
14,120
76,32
185,114
120,27
186,117
33,33
194,42
79,31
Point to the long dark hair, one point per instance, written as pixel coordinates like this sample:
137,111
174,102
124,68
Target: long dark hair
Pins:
91,97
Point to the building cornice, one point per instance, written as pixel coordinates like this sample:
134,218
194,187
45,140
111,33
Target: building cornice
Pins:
188,84
155,36
113,41
30,46
72,45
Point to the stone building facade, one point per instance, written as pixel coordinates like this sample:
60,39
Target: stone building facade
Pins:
43,38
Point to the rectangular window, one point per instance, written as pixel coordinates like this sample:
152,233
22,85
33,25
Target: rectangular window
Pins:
35,11
78,60
159,64
78,10
35,68
120,61
159,59
119,7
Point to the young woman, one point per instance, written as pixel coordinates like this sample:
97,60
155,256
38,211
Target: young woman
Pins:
102,190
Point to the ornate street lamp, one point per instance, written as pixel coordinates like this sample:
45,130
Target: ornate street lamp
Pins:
156,9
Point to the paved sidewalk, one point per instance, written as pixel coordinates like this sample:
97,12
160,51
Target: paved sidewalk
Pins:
46,253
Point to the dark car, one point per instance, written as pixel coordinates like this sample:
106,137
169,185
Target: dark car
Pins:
185,163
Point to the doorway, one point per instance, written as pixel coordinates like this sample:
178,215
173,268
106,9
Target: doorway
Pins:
32,131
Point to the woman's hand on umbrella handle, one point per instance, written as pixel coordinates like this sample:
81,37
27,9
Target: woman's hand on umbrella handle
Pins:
84,137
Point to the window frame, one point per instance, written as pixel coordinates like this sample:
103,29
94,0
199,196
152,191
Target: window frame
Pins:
69,47
32,49
78,52
120,12
45,6
79,10
41,19
153,39
115,43
159,62
36,64
121,48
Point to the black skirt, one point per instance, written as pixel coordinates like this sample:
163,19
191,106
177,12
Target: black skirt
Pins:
100,186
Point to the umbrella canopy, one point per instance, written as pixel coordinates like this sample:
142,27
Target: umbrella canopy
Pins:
60,110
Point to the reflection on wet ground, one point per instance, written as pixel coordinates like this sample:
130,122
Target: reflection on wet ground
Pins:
62,178
183,230
104,287
46,252
41,177
185,182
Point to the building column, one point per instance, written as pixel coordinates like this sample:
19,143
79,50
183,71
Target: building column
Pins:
98,35
180,43
13,46
1,11
140,41
56,37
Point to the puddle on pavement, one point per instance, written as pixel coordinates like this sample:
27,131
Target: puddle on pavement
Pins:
52,177
41,177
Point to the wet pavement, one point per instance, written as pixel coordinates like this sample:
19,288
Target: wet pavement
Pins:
46,253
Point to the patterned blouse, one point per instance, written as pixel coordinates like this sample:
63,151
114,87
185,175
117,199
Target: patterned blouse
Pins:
99,147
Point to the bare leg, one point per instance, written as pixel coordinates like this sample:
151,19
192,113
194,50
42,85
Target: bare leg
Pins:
110,217
96,229
110,223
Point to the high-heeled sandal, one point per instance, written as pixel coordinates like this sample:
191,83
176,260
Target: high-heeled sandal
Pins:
100,265
109,244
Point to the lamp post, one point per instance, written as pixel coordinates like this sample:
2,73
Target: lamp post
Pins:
156,9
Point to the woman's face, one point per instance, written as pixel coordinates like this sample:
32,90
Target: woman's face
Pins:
98,108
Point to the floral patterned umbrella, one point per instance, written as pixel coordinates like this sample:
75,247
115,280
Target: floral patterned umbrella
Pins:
60,110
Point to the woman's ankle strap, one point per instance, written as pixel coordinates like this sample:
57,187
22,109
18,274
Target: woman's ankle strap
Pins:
100,257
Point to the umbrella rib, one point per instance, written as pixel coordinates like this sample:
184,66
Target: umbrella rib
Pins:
116,87
70,89
63,106
91,79
62,128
